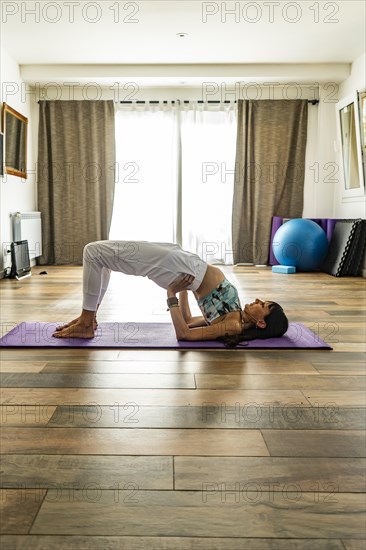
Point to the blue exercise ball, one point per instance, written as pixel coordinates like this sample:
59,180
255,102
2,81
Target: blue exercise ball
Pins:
300,243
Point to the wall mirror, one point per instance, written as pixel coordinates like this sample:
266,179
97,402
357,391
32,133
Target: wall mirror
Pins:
349,132
14,127
362,107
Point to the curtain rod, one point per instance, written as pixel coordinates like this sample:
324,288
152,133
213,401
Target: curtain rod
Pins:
312,101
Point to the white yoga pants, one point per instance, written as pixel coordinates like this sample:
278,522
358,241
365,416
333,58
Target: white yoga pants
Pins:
160,262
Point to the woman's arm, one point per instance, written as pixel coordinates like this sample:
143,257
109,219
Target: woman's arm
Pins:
183,331
184,305
179,320
198,321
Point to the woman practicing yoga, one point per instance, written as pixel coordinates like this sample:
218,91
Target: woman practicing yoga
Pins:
176,270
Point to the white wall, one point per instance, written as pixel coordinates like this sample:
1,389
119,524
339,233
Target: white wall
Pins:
351,208
16,194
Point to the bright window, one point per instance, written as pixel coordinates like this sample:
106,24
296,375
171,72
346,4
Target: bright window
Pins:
175,177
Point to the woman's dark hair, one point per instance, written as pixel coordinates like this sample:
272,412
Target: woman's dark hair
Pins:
276,326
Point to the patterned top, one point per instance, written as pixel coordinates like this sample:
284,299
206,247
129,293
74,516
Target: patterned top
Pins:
221,300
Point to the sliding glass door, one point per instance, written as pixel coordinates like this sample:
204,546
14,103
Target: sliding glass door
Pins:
145,191
208,137
175,167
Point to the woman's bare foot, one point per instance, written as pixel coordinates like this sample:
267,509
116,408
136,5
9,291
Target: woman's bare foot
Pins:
73,322
66,325
75,330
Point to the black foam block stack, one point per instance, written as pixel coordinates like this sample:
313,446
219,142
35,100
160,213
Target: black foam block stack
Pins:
346,248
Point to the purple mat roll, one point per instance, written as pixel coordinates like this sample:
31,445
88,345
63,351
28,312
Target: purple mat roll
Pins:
147,335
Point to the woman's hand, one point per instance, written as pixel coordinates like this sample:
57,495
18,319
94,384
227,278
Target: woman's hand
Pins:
179,284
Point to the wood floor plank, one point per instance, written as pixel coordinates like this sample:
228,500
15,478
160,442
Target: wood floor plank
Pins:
204,381
212,415
132,441
18,509
26,415
336,443
84,472
237,355
22,366
47,354
321,356
268,474
45,542
106,396
274,381
181,513
334,334
341,369
354,544
340,398
349,346
50,380
285,366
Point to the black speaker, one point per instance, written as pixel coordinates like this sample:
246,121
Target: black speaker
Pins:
20,264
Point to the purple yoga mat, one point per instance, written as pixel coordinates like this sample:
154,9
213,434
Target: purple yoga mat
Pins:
147,335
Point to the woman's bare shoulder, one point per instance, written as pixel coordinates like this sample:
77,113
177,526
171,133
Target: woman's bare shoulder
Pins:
232,319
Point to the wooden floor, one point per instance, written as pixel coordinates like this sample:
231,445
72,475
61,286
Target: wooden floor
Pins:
206,450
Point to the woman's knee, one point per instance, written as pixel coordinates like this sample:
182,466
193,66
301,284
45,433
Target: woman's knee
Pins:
92,252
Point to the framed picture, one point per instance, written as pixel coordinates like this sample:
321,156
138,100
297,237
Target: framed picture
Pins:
362,111
1,154
14,128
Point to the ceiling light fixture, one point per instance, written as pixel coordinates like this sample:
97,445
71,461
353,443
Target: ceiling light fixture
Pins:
182,34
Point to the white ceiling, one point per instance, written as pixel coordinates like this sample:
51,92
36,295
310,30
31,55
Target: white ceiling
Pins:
145,32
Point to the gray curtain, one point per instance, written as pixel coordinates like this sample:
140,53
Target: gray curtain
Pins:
269,172
76,176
